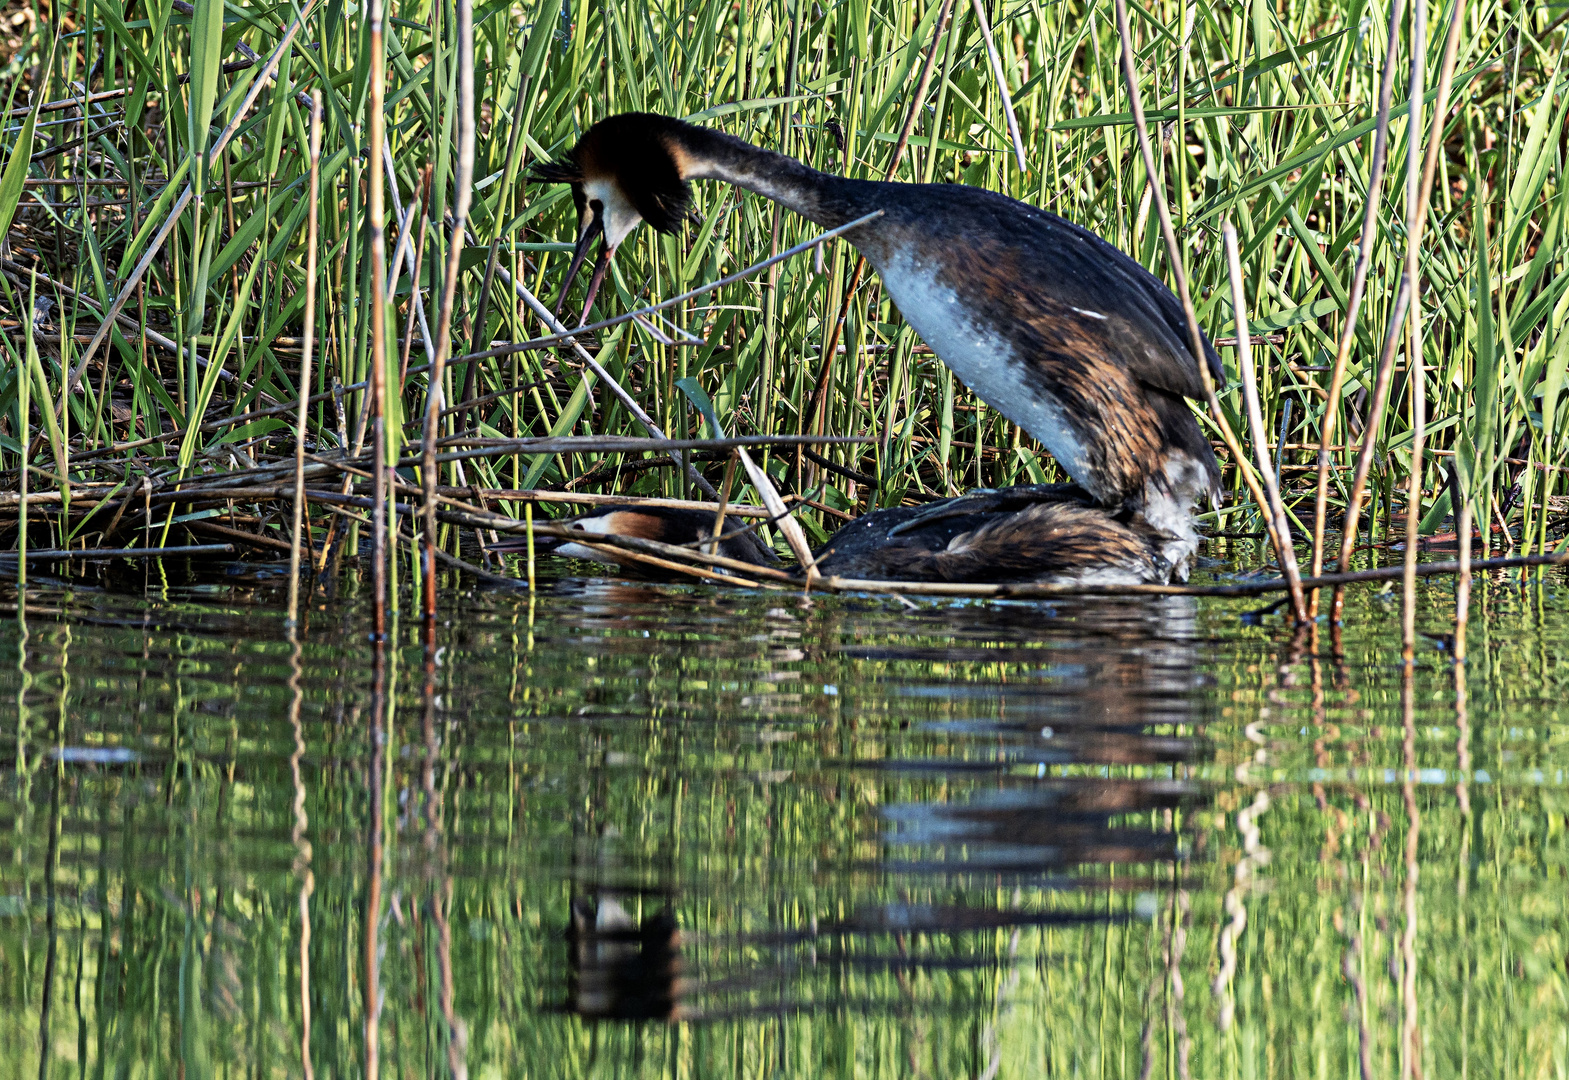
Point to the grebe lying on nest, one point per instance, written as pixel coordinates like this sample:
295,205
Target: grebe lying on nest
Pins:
1034,533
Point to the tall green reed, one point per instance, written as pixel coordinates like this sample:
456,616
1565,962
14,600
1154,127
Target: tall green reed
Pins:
1264,118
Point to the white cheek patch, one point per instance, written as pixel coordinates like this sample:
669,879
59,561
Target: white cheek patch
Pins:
591,526
620,217
984,359
598,526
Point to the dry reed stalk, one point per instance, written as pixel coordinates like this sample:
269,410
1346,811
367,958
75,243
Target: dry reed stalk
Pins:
1002,82
460,212
378,321
1386,367
411,258
589,444
679,553
305,358
1275,511
1365,243
1174,256
530,496
724,505
779,513
1435,140
1416,379
562,336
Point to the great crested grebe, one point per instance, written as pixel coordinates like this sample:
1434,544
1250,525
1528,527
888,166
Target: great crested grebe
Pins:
1035,533
1049,324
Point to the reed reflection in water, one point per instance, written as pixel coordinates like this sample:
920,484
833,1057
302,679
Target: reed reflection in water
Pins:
630,829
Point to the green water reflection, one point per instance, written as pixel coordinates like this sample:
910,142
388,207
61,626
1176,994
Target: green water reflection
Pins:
641,830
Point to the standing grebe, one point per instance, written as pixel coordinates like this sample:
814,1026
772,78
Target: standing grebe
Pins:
1034,533
1049,324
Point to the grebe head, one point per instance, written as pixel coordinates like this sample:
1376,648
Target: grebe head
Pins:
624,170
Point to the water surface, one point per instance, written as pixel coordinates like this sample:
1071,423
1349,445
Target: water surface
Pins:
625,830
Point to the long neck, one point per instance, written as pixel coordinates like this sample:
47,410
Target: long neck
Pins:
820,197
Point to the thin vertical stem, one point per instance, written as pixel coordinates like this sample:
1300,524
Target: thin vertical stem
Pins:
1375,417
1174,256
306,346
24,413
1435,141
1348,331
724,505
528,524
1274,512
438,365
1002,82
1416,380
378,320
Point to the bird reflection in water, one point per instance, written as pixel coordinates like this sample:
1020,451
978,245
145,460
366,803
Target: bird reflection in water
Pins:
1048,801
620,968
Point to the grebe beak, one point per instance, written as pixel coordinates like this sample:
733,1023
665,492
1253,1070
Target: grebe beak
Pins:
601,264
594,229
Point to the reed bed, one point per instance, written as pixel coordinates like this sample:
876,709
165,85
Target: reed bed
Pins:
209,279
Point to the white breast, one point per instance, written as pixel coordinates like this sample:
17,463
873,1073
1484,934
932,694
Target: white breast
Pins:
985,360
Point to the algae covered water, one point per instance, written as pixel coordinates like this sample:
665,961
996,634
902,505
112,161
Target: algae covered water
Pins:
628,830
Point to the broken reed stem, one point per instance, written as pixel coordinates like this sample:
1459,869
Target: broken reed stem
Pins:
777,511
305,359
1375,418
1369,235
1416,380
378,321
1174,256
1274,511
438,366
